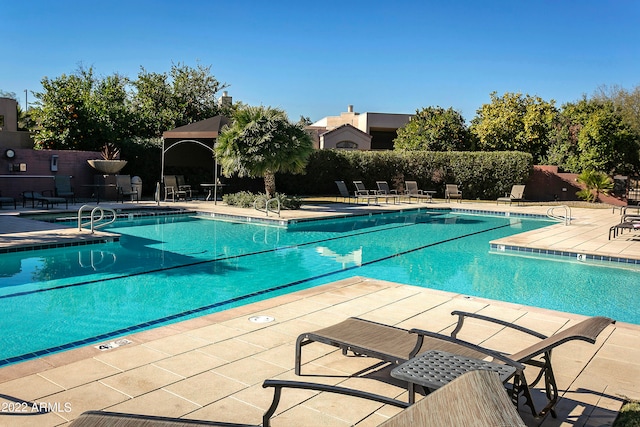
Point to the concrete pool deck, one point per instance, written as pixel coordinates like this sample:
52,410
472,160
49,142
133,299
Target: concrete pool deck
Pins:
212,367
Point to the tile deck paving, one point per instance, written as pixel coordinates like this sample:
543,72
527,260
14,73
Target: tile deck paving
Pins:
212,367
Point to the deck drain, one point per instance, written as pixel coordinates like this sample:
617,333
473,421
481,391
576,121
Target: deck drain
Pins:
261,319
113,344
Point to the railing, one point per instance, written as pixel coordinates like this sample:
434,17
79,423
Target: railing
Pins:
267,203
94,218
566,218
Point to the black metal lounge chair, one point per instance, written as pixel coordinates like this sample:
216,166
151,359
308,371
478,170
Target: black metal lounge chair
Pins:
42,200
412,191
627,222
474,399
516,195
9,200
344,192
397,345
118,419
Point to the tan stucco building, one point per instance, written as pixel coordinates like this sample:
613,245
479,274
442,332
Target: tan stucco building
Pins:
358,131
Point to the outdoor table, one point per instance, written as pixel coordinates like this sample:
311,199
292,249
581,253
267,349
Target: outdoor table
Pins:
209,188
435,368
97,188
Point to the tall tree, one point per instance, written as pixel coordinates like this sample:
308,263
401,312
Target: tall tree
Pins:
185,95
434,129
592,134
514,122
261,142
81,112
84,112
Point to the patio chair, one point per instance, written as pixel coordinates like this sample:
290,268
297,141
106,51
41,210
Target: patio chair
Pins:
118,419
451,192
516,195
183,186
386,192
63,187
474,399
9,200
171,189
42,199
412,191
125,189
395,345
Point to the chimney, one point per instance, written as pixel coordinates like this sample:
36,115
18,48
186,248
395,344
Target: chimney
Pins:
349,108
225,100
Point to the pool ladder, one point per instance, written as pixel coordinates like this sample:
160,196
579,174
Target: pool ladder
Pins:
566,218
97,215
267,203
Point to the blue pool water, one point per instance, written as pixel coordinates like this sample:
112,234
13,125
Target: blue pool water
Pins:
171,268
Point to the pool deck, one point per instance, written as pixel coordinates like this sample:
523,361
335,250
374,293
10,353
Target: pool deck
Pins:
212,367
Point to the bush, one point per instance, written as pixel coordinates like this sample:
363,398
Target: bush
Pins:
245,199
629,415
484,175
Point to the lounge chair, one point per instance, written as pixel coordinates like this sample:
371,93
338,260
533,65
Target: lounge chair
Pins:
451,192
63,187
344,192
516,195
386,192
171,190
125,189
42,199
118,419
412,191
9,200
474,399
627,222
362,193
395,345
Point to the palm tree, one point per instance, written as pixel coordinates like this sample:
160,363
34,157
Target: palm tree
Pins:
261,142
594,181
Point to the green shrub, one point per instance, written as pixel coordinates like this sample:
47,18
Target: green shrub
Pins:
246,199
629,415
483,175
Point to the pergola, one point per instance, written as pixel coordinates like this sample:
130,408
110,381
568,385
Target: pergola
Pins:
186,144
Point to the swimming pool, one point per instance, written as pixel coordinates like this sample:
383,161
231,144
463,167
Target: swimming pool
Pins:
165,269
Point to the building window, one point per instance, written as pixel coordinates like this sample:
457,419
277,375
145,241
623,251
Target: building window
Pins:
347,145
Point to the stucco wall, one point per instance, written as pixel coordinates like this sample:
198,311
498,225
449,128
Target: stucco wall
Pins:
38,175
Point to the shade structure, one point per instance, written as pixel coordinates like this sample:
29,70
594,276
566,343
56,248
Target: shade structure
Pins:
183,146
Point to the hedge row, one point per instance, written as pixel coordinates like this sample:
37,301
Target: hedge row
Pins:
480,175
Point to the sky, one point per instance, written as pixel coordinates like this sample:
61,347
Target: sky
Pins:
313,59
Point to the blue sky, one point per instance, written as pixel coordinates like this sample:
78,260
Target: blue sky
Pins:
314,59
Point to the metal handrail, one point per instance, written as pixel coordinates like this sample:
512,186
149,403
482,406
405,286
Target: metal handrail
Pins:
93,219
566,218
266,205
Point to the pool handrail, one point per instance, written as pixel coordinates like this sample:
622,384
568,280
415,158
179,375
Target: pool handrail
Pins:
93,219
